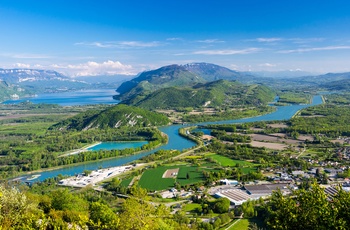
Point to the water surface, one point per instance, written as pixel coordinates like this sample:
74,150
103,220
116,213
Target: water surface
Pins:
83,97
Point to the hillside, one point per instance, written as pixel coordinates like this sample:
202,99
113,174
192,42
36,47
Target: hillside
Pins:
337,85
217,93
7,91
212,72
167,76
115,117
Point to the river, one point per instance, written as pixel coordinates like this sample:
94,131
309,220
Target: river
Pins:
175,142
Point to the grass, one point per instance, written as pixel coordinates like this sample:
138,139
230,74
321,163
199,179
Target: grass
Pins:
248,170
126,182
225,161
152,178
191,207
241,224
19,129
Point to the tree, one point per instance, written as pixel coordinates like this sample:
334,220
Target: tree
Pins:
308,209
16,210
103,217
221,205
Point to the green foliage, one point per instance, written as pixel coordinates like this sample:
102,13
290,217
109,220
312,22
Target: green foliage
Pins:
63,200
229,114
308,209
219,93
294,98
16,210
221,205
330,120
103,217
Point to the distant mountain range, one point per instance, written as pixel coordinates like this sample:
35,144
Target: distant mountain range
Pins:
26,82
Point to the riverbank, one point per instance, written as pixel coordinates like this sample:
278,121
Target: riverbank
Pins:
77,151
96,176
25,176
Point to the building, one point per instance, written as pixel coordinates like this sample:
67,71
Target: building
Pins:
236,196
264,190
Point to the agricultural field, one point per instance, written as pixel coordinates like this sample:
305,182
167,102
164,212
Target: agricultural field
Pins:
225,161
153,179
126,182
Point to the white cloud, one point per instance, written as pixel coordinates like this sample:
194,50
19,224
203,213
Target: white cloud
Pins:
210,41
268,65
174,39
21,65
94,68
305,40
303,50
227,51
121,44
268,39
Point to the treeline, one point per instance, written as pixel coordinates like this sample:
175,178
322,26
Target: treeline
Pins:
232,137
229,114
160,155
330,120
294,97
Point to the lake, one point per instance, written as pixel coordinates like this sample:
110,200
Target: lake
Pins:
83,97
117,145
175,141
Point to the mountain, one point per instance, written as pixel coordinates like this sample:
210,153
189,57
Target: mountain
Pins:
212,72
167,76
218,93
175,76
40,81
114,117
8,91
337,85
281,74
325,78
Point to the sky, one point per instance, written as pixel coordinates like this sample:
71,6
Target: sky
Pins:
109,37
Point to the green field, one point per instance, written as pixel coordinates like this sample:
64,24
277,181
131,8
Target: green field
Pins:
126,182
152,178
240,224
191,207
225,161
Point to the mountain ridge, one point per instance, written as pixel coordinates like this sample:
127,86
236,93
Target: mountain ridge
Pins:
175,76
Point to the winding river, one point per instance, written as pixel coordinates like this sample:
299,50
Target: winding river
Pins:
175,142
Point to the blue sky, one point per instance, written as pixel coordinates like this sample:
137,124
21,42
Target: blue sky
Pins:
125,37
